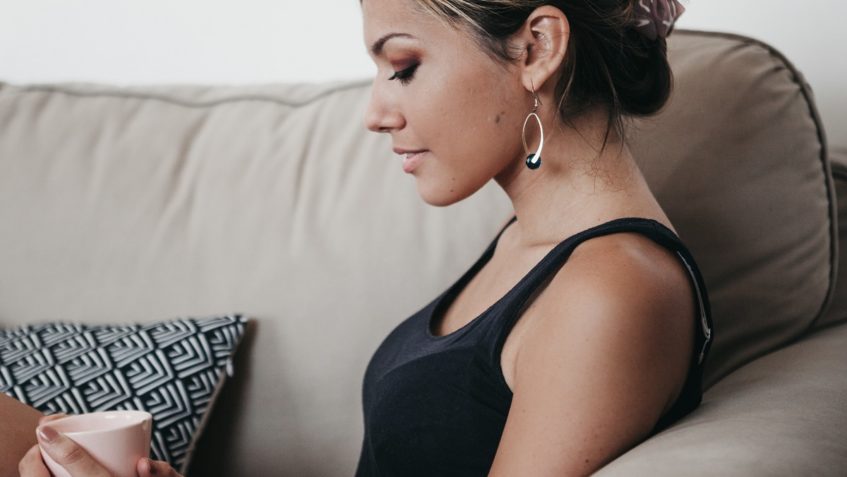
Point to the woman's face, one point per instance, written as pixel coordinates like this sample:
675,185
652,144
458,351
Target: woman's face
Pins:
435,90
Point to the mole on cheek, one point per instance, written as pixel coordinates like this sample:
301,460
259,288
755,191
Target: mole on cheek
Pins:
497,118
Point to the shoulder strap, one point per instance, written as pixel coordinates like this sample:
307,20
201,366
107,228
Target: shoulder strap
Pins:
553,261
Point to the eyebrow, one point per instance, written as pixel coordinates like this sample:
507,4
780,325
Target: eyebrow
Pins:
376,48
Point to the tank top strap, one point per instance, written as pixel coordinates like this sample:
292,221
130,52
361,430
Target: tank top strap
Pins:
502,229
511,308
554,259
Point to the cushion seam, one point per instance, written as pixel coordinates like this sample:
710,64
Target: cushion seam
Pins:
67,90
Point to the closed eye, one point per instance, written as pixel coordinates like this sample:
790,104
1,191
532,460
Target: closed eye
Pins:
405,76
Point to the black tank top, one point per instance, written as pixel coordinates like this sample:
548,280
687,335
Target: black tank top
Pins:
437,405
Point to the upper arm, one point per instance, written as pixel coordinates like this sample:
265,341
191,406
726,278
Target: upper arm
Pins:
607,351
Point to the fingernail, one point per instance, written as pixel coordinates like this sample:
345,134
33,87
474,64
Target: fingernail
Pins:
47,434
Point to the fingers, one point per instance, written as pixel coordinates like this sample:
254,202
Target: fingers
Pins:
51,417
31,465
68,454
155,468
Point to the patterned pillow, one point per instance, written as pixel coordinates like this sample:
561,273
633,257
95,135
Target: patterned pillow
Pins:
171,369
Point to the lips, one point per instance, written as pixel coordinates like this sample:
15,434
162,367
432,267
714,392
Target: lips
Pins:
412,158
401,151
412,161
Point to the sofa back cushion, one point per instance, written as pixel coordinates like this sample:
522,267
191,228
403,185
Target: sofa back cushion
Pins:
739,162
132,203
144,203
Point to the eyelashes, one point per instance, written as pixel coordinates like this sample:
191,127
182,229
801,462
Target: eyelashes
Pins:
405,76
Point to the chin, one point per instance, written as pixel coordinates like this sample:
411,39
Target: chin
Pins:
440,197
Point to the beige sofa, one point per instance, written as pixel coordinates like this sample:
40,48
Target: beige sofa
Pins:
123,204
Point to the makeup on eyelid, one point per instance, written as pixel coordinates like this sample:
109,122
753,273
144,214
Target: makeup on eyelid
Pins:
405,75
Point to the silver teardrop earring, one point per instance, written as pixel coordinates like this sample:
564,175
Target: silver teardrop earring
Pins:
533,160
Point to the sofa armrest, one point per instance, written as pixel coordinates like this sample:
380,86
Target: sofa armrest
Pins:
782,414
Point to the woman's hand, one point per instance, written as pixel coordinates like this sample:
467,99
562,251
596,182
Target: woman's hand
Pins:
155,468
74,458
31,465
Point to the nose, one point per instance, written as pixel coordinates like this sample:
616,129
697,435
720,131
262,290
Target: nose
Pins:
382,114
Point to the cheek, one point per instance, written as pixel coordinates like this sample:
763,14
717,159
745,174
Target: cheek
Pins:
496,139
474,144
473,129
481,125
468,160
495,116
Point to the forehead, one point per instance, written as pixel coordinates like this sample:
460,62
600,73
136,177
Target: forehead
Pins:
382,17
376,12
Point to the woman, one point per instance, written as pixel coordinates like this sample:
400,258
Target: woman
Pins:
583,327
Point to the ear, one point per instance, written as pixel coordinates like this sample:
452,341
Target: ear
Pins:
544,38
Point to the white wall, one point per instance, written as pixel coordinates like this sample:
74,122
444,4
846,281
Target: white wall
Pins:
247,41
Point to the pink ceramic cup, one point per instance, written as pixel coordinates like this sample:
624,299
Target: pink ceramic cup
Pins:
115,439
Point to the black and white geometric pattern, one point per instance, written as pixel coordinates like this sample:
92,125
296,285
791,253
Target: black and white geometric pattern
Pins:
170,369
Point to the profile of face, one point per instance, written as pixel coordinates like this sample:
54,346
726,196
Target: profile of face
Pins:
437,91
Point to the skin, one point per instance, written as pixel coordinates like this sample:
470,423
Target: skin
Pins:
74,459
19,421
603,349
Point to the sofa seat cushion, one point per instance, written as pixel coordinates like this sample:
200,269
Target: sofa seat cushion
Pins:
782,414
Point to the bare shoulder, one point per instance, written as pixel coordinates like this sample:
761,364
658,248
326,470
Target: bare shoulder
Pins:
623,280
628,262
606,354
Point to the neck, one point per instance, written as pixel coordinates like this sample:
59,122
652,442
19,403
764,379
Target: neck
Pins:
579,184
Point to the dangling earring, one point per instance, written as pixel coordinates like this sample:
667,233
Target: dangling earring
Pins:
533,160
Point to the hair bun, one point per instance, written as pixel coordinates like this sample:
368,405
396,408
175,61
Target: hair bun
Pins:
643,77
